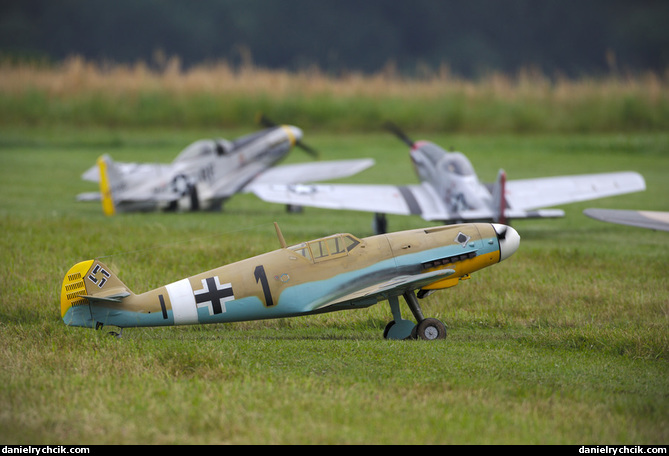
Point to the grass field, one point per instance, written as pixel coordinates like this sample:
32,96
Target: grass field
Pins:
566,342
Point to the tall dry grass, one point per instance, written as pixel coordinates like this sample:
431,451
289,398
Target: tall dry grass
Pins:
80,91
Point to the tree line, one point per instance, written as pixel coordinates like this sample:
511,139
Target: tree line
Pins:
469,38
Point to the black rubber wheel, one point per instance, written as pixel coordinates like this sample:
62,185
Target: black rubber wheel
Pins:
431,329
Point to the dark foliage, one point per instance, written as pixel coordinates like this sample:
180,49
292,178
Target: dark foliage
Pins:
556,36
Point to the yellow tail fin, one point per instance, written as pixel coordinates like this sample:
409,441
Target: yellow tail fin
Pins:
88,283
74,287
108,206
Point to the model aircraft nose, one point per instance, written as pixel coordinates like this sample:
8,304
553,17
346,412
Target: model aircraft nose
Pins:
294,133
509,240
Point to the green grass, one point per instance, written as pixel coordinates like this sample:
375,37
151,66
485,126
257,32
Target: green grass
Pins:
566,342
331,112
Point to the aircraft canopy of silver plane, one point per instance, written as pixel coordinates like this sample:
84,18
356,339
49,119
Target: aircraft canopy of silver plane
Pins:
337,272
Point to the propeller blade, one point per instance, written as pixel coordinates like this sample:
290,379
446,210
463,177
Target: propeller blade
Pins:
313,152
264,121
399,133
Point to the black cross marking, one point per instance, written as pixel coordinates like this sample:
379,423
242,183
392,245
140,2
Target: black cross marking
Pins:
212,296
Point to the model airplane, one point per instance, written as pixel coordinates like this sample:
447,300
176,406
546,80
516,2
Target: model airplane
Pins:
450,191
208,172
333,273
644,219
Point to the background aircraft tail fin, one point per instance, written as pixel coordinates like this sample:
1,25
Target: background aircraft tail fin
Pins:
89,282
108,178
499,198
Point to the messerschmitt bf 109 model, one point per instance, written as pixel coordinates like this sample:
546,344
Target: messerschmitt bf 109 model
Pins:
208,172
337,272
450,191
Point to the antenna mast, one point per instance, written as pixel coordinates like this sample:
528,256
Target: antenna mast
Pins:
282,241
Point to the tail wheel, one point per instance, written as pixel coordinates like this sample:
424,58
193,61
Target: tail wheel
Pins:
431,329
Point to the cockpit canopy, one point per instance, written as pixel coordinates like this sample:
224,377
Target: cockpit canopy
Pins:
448,162
456,163
327,248
205,148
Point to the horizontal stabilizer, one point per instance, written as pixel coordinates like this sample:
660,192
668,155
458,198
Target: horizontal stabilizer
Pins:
113,296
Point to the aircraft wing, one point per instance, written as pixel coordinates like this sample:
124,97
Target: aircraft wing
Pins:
395,286
528,194
386,199
643,219
524,197
383,199
136,170
309,172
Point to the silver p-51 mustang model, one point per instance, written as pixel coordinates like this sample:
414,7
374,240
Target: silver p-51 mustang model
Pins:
450,191
208,172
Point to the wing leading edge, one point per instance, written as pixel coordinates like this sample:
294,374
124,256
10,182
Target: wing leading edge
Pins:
383,199
524,198
310,172
645,219
393,287
529,194
387,199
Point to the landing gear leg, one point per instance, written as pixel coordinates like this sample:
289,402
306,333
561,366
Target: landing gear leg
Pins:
414,306
398,329
427,328
380,224
294,209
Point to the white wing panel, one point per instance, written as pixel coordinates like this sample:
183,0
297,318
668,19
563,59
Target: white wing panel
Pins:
310,172
528,194
385,199
644,219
